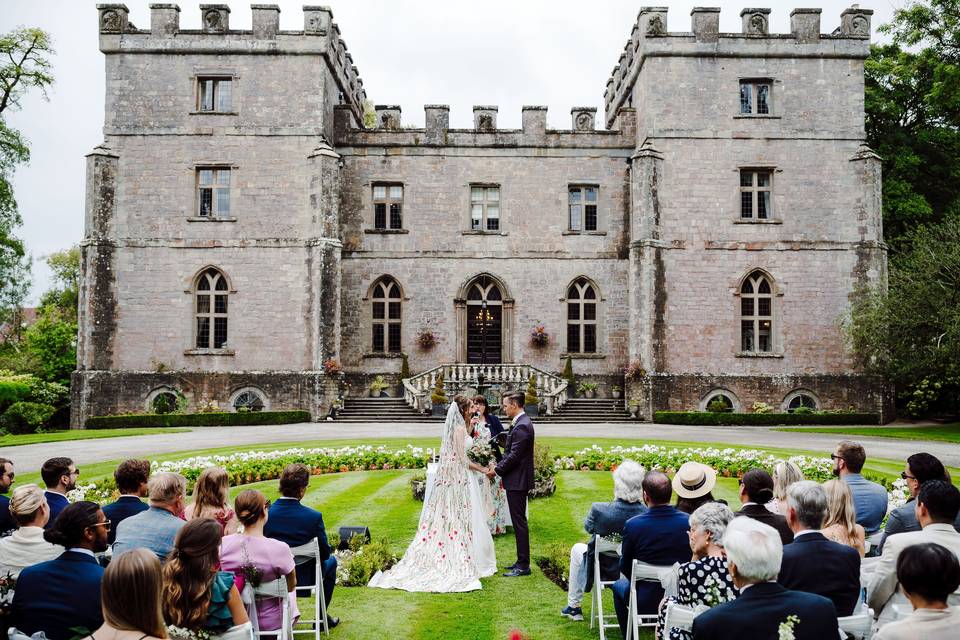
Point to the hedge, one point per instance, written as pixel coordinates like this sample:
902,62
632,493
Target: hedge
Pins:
763,419
196,419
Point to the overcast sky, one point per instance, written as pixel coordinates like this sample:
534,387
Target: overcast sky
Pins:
509,53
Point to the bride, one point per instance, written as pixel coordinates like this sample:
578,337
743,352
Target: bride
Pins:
452,548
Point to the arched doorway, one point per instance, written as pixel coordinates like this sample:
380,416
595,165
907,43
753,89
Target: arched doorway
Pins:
484,318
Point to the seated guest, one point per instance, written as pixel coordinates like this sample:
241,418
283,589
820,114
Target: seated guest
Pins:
210,498
63,594
921,467
295,524
938,504
693,483
60,477
753,553
604,519
156,527
812,563
7,476
27,546
756,490
658,537
704,580
841,523
785,473
869,498
928,573
130,595
131,478
271,558
196,595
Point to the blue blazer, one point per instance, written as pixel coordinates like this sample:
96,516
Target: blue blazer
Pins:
295,524
123,508
758,612
496,428
658,536
7,523
516,467
57,502
604,519
58,595
817,565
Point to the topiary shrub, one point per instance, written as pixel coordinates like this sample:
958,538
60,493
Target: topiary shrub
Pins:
568,372
27,417
439,395
404,369
531,393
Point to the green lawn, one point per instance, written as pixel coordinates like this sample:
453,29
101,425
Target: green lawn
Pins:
81,434
940,432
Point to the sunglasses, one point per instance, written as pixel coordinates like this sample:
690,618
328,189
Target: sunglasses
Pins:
105,523
907,476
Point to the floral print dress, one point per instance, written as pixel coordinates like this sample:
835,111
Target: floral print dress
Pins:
495,494
705,581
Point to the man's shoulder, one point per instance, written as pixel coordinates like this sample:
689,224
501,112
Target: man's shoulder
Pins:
811,602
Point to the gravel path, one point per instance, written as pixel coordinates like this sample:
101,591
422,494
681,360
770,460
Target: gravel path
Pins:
29,458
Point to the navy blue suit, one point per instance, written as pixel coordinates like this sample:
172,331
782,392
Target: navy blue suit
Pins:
295,524
57,502
57,595
7,523
123,508
516,470
658,536
814,564
758,612
496,428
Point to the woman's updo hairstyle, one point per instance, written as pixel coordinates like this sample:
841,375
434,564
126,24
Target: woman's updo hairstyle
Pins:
758,485
25,503
67,530
250,506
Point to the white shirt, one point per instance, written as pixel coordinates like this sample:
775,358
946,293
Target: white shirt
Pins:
25,547
82,550
513,421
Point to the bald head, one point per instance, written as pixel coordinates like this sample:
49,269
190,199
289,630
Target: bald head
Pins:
656,488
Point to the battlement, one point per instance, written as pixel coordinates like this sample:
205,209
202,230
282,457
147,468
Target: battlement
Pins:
649,38
320,36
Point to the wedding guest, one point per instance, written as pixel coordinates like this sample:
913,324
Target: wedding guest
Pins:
841,523
63,594
155,528
7,476
693,483
482,427
130,596
869,498
60,477
928,573
785,473
938,504
250,555
756,490
705,579
295,524
811,563
210,499
658,537
604,519
196,595
920,468
27,546
753,553
131,477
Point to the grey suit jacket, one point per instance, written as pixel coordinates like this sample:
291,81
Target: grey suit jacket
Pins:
904,519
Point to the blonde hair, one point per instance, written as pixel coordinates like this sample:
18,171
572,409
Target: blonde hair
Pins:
25,503
131,593
840,508
784,475
210,492
166,487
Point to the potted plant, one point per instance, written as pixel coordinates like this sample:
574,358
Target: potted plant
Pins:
531,403
426,339
377,387
616,391
404,374
634,409
539,336
568,372
438,398
332,367
587,389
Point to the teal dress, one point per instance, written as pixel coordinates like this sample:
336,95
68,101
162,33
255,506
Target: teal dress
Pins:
219,617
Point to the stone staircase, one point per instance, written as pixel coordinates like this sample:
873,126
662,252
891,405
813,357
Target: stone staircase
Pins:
587,411
357,409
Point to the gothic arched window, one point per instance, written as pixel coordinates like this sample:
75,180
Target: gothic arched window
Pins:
210,309
756,314
582,300
386,316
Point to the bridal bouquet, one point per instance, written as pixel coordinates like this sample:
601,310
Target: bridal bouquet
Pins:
480,452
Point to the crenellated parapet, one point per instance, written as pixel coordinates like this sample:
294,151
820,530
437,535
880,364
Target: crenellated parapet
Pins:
320,36
649,37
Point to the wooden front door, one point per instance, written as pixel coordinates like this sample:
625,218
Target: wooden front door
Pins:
484,322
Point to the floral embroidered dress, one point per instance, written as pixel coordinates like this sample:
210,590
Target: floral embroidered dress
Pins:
495,497
452,548
705,581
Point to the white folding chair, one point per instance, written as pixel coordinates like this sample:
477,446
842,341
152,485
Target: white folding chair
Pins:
302,554
609,620
647,573
273,589
238,632
680,616
859,625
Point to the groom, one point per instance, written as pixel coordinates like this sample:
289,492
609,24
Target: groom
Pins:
516,469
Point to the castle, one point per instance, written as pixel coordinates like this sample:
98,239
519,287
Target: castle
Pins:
245,229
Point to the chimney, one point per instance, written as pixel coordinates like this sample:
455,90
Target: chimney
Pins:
805,24
437,117
534,120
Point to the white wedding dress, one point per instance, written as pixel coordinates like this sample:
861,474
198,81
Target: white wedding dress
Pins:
452,548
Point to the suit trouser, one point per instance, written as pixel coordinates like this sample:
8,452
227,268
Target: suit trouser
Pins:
329,571
517,501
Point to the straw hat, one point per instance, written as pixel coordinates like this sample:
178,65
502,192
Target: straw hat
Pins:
693,480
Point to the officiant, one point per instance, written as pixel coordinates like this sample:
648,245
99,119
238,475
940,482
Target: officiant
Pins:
493,424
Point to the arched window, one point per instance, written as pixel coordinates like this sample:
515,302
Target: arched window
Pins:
386,316
800,400
210,309
756,314
582,302
248,400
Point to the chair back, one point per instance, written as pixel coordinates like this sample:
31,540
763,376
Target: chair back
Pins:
859,625
306,552
301,555
238,632
681,616
666,575
607,545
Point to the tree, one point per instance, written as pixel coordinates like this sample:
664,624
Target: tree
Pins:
52,340
65,294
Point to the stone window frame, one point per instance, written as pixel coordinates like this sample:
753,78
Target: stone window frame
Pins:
196,168
156,392
755,167
231,292
776,316
708,397
201,75
795,394
484,219
369,321
387,201
601,301
582,186
236,393
773,110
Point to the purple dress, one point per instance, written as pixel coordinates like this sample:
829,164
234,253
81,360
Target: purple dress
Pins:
273,558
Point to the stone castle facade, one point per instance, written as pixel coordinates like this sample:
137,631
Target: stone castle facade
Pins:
243,226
